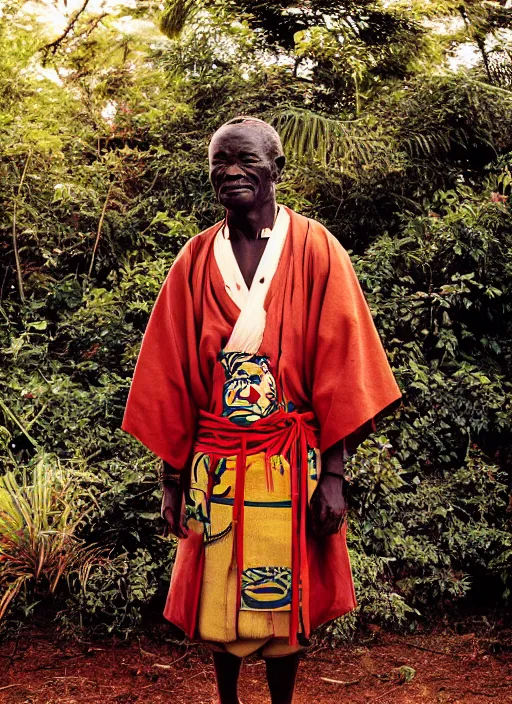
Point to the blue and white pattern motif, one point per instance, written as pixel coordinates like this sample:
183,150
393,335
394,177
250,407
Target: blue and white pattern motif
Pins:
266,588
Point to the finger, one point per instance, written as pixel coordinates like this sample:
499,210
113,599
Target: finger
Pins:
332,523
320,526
182,531
318,519
338,517
330,527
337,522
173,526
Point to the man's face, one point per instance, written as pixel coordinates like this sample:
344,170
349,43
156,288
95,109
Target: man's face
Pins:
241,171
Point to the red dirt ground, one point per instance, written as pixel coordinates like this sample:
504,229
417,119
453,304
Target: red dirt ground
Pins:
43,668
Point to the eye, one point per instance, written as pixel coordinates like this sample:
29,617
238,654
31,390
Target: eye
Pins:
254,379
218,157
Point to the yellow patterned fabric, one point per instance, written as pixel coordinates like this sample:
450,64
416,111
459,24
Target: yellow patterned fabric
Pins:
267,531
257,608
266,577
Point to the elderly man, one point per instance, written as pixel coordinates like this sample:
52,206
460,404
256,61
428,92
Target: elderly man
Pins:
259,372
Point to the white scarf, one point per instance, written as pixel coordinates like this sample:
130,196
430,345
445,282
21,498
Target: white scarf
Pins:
248,331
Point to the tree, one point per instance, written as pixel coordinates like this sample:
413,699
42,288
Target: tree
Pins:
103,166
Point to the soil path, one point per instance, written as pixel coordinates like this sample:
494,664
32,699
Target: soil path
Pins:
42,668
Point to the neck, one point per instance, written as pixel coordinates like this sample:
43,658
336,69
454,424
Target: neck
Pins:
248,224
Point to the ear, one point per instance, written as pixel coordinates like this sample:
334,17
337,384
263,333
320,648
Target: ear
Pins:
279,161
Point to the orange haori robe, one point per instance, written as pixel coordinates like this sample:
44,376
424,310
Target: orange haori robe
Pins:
249,430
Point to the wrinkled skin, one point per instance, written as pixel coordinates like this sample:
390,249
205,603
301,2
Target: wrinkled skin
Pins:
243,176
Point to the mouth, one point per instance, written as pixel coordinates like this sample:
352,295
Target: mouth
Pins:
235,188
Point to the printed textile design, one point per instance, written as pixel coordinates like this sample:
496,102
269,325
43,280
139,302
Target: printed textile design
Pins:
266,588
249,392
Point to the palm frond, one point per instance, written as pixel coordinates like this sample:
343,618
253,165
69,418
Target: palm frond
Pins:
349,144
421,144
174,17
500,67
498,91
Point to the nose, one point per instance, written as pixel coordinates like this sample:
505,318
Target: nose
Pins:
234,171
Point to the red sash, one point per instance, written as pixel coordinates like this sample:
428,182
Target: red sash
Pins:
281,433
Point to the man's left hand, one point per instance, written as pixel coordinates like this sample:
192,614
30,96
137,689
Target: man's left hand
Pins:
328,505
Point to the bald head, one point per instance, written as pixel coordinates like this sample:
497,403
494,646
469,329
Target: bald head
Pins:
270,138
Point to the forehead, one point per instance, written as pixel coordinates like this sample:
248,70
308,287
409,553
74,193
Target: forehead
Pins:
234,139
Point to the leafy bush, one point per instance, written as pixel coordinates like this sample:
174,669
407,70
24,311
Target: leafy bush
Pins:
39,522
104,177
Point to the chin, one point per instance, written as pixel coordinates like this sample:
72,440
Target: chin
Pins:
239,201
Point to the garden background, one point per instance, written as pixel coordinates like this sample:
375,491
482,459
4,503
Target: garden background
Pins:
396,119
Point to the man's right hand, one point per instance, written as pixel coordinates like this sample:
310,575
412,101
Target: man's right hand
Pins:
171,511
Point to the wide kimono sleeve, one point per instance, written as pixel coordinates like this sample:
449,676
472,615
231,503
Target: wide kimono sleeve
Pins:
350,377
160,410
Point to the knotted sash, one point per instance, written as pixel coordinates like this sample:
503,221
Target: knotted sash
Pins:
281,433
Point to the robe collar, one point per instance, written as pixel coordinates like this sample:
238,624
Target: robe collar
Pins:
234,282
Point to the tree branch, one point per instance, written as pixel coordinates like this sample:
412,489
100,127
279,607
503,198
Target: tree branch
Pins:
100,225
15,235
54,45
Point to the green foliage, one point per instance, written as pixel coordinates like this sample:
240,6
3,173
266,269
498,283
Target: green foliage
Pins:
40,517
104,177
175,16
116,596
